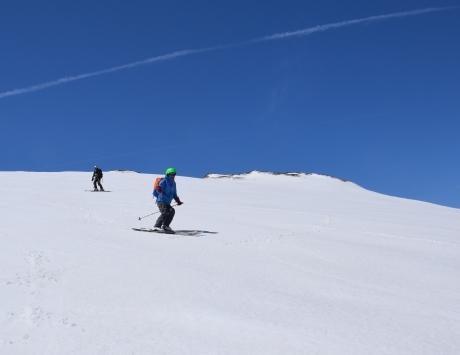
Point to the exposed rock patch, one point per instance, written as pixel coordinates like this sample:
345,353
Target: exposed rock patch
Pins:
243,175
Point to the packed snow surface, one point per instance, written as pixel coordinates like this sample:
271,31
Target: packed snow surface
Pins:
283,265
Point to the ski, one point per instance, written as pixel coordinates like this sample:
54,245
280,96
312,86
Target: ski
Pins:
98,191
153,231
180,232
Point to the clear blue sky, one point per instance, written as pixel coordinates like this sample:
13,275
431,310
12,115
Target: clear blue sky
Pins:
374,102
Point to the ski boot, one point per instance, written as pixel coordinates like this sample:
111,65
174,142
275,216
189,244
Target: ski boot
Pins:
167,229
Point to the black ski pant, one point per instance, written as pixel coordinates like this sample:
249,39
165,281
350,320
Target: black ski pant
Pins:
97,181
167,214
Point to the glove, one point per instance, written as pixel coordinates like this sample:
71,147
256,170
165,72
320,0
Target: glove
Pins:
92,179
179,202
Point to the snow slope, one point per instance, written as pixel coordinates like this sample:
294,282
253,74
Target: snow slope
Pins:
285,265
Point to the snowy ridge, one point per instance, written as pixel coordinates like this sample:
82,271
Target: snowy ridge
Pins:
254,173
125,171
282,265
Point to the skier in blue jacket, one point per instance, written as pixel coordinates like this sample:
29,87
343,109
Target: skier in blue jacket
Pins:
167,192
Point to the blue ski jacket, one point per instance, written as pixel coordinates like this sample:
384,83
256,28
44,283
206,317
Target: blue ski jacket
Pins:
168,190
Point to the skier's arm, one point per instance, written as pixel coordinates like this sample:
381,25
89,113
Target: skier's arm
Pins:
177,199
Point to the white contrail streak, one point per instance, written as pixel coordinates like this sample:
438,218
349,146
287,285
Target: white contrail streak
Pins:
100,72
320,28
182,53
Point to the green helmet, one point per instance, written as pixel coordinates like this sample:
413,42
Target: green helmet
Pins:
170,171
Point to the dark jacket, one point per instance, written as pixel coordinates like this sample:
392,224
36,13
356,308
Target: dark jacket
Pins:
97,174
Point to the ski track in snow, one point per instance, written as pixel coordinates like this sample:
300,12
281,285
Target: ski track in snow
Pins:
33,315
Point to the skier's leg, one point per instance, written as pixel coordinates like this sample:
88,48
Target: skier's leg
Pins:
170,216
163,211
100,185
159,222
94,183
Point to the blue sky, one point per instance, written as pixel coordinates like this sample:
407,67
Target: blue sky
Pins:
374,102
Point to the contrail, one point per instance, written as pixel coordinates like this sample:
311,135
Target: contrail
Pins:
276,36
100,72
321,28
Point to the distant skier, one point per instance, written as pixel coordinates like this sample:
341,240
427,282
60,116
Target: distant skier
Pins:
97,176
165,191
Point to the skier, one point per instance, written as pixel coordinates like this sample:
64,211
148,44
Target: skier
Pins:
97,176
166,190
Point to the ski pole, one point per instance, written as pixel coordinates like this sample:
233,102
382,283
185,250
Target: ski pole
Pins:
148,215
153,213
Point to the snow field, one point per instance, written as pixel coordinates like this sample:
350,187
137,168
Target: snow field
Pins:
285,265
